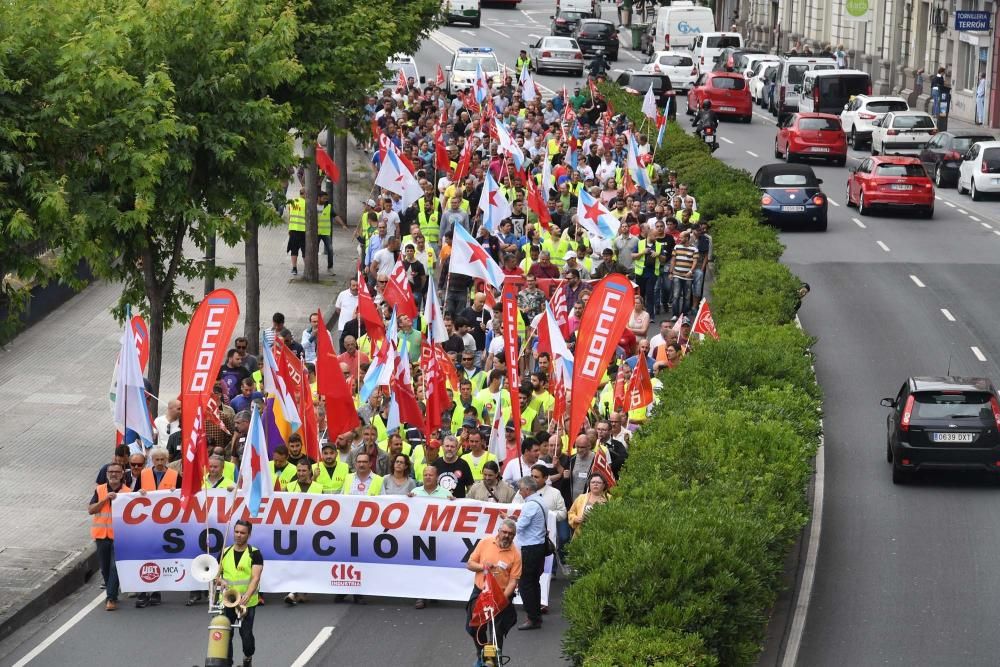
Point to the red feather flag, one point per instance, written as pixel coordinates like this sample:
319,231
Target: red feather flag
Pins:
441,160
402,394
464,163
439,80
341,415
603,468
325,162
704,323
640,388
490,603
397,292
537,204
369,314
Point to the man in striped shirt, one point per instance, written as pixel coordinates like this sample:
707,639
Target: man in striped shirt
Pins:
682,266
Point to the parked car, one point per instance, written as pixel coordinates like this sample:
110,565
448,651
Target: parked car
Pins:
946,423
790,196
980,170
788,81
861,113
733,59
564,22
811,136
757,81
637,83
707,46
943,154
902,132
891,181
746,61
556,53
728,92
597,36
827,91
678,65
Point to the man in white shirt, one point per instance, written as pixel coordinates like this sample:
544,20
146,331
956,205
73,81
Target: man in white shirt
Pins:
660,338
389,216
347,305
520,467
168,423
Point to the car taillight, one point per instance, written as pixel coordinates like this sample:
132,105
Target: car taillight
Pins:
666,42
702,59
933,132
546,54
781,94
868,89
996,411
694,71
631,91
867,116
816,95
818,200
561,21
578,56
614,36
984,167
904,423
892,132
766,200
952,155
709,130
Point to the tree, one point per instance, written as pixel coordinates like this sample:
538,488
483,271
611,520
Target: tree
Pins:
342,59
169,105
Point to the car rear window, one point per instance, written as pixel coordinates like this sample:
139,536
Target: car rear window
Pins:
560,43
642,83
599,29
941,405
722,41
843,85
991,160
962,144
913,123
900,170
887,105
796,73
818,124
676,61
799,180
729,83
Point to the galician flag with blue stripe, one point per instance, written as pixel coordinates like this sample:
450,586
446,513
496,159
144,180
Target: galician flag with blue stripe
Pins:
255,473
639,175
383,362
595,217
130,411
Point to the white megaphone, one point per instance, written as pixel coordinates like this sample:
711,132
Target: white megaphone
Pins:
205,568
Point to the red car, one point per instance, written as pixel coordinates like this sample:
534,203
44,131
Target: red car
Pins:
890,180
728,92
811,135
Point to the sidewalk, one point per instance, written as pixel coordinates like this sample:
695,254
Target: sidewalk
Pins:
55,416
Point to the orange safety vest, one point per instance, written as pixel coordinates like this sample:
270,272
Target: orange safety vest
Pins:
100,527
148,481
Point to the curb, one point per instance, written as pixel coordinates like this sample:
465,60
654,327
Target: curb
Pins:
65,579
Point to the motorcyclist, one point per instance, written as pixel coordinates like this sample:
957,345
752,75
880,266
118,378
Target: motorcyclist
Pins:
599,66
705,118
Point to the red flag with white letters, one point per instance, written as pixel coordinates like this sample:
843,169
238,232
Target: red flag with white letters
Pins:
704,323
640,388
439,80
603,468
397,291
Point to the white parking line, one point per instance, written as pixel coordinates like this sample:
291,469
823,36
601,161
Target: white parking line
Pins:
973,218
859,223
975,350
997,232
938,197
917,281
963,211
633,56
986,225
752,154
948,203
528,16
947,315
883,246
314,646
502,34
830,199
764,118
63,629
726,140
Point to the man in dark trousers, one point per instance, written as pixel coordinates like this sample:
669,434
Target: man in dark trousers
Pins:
240,569
531,533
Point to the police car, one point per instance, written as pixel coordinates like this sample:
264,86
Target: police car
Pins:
462,70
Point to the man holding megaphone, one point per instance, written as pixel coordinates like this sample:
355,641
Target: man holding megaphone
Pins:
240,569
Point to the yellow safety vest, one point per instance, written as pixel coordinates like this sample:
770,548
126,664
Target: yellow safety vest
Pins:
331,484
520,64
238,576
430,225
640,262
477,468
373,490
324,217
295,487
297,215
286,476
557,250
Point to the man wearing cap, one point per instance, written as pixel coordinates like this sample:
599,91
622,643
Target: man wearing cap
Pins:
608,265
330,472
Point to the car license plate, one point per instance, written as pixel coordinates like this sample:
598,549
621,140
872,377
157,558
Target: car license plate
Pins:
727,108
996,181
901,186
598,48
793,208
820,149
953,437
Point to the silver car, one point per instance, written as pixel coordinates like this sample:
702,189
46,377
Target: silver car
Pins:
562,53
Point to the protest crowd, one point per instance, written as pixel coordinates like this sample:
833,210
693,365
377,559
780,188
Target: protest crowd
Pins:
453,364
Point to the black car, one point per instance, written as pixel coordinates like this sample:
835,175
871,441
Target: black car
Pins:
790,196
942,155
564,23
637,83
943,423
732,59
597,36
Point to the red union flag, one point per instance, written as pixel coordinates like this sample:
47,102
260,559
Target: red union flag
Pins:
398,293
604,319
603,468
703,321
205,346
508,305
640,388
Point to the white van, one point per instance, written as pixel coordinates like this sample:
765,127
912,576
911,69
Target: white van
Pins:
829,91
407,64
788,81
462,11
707,46
592,7
677,25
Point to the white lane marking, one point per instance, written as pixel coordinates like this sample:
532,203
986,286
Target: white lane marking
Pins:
986,225
883,246
804,595
469,32
975,350
528,16
633,56
948,203
859,223
535,36
963,211
917,281
832,202
947,315
63,629
502,34
996,232
764,118
314,646
938,197
752,154
973,218
726,140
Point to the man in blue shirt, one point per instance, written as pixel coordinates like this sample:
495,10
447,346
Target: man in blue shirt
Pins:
531,532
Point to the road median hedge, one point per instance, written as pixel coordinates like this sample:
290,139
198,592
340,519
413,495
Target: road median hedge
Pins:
684,565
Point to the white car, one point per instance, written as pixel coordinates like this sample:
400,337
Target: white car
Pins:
861,112
902,132
562,53
462,70
979,172
758,79
678,65
746,62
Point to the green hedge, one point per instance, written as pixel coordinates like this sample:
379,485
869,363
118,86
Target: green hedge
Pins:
683,566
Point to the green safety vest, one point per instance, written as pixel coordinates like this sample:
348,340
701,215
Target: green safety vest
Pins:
521,63
295,487
430,226
297,215
330,484
238,576
640,262
557,250
477,468
286,476
324,218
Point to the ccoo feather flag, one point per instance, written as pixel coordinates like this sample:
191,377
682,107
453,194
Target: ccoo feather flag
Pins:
704,323
326,163
255,473
640,388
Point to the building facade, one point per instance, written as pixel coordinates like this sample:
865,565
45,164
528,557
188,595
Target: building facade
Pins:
900,43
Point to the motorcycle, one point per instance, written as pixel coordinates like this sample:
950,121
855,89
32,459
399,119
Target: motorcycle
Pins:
710,138
706,127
